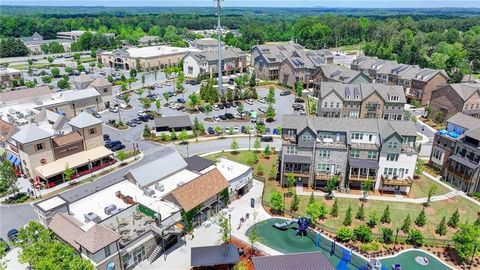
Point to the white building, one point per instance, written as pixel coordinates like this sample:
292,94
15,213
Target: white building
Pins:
74,35
239,177
206,62
7,75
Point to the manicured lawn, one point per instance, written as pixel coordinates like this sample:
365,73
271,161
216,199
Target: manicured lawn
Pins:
422,185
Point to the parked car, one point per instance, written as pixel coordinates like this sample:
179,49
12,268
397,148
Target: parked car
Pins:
229,116
232,104
12,235
227,105
236,129
158,85
237,103
251,130
262,100
114,109
131,124
107,141
150,116
243,129
181,100
285,93
299,100
249,101
266,139
112,144
262,109
221,116
216,118
210,130
216,108
267,130
106,136
136,121
141,113
7,247
118,147
96,115
143,118
221,107
297,106
201,109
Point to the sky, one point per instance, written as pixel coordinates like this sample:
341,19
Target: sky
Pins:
256,3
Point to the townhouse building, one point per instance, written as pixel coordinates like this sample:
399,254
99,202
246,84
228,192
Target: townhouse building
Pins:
206,62
266,59
207,44
336,73
45,150
363,100
301,67
444,141
353,150
418,83
456,98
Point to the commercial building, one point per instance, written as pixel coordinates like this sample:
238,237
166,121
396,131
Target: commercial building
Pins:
74,35
239,177
146,58
206,62
419,83
214,257
175,123
315,149
7,75
35,42
364,100
120,222
451,99
207,44
148,40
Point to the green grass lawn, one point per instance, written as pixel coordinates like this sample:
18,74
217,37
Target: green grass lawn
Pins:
422,185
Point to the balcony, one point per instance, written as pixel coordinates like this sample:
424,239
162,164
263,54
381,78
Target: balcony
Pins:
338,145
326,176
408,149
367,146
407,182
460,174
298,173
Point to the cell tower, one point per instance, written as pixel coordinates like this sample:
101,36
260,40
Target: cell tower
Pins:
219,36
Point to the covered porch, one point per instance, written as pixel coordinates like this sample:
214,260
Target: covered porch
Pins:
52,174
396,185
360,171
320,179
461,172
298,166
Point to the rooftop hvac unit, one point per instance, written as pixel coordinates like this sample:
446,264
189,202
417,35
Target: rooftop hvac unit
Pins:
92,217
149,192
159,187
110,209
180,184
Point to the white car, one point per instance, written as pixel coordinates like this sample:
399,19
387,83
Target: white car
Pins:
167,84
141,113
158,85
251,130
216,108
262,100
236,129
216,118
249,101
114,109
262,109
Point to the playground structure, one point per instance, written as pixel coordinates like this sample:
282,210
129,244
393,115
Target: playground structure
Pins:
302,223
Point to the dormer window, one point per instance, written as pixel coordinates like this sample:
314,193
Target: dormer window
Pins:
394,98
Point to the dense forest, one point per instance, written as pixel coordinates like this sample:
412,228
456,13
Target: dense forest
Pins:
437,40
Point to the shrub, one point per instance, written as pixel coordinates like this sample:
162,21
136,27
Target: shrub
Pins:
334,210
387,235
406,224
415,237
454,219
348,217
373,219
360,215
18,198
373,246
386,215
363,234
344,234
442,227
421,219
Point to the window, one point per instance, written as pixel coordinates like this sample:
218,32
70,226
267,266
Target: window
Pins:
392,157
395,144
290,132
107,251
322,167
324,153
357,136
92,131
331,104
355,153
105,90
291,149
370,137
372,154
338,104
325,105
306,138
39,146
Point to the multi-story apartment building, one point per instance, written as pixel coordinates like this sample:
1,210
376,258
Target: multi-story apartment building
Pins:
336,73
206,62
44,151
359,100
463,167
266,59
417,82
355,150
451,99
301,67
445,140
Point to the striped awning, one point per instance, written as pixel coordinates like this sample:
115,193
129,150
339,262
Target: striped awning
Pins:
14,159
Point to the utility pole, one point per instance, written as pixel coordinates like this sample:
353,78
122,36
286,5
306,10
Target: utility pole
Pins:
219,33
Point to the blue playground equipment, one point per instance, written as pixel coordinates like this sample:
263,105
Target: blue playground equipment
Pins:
302,222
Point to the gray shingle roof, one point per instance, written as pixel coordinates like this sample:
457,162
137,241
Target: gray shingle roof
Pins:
84,119
25,93
229,53
465,121
198,163
363,90
158,169
30,133
339,73
465,90
299,261
276,53
214,255
473,133
173,121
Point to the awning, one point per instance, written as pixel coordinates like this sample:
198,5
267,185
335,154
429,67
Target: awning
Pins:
464,161
363,163
214,255
14,159
73,161
297,159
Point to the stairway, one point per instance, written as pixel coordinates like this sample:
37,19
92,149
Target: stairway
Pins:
155,254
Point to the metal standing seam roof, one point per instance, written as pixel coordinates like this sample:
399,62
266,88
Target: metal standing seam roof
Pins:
214,255
84,119
158,169
30,133
198,163
464,161
173,121
363,163
298,261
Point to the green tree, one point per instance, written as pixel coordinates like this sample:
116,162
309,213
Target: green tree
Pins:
438,117
147,132
270,113
271,95
12,47
415,238
140,92
360,215
334,210
80,68
166,96
76,56
253,80
295,203
407,223
387,235
363,234
30,84
69,71
344,234
143,79
63,84
454,219
146,104
126,98
260,169
225,228
240,109
290,181
234,146
8,179
133,73
442,227
273,173
386,215
121,156
68,173
257,144
299,89
173,135
55,72
267,151
431,191
421,219
419,167
348,217
50,59
193,100
366,187
313,211
252,159
372,219
183,135
467,241
158,104
253,235
46,79
276,202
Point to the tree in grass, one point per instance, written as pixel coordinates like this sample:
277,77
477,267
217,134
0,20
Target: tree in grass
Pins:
225,228
421,219
347,221
158,105
415,238
273,173
290,182
407,223
313,211
360,215
267,151
373,219
363,234
386,215
311,199
257,144
322,211
252,159
431,192
234,146
295,202
366,187
442,227
454,219
334,210
276,202
121,156
387,235
173,135
344,234
147,132
126,98
467,241
331,184
419,167
260,169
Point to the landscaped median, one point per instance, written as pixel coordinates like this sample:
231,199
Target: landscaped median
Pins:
371,226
